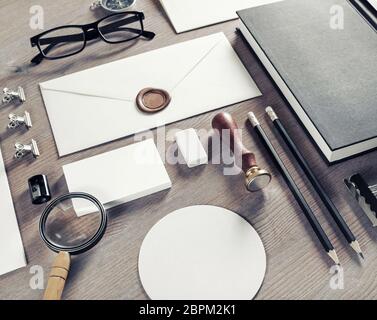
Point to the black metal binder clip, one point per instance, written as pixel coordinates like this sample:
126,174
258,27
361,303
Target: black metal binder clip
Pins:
365,195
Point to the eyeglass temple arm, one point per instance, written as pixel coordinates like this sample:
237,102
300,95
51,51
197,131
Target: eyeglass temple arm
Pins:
39,57
148,34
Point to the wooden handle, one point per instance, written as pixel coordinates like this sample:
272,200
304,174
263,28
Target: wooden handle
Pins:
58,276
224,121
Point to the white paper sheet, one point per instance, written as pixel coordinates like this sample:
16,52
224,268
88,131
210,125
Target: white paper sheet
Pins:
118,176
187,15
12,255
98,105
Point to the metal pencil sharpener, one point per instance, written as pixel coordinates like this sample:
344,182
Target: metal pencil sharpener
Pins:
365,192
39,189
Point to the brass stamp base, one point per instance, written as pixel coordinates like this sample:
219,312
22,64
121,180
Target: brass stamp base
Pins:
257,179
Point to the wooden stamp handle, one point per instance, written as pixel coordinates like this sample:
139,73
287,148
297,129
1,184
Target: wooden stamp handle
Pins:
224,121
58,276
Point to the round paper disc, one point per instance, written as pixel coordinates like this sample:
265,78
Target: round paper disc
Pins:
202,253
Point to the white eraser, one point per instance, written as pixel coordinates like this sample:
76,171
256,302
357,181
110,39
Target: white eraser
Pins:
191,148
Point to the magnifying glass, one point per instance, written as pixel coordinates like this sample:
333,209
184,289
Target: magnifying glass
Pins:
70,225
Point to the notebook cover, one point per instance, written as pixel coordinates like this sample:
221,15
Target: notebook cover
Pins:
331,72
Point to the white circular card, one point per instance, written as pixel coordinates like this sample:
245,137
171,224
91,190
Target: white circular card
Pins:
202,253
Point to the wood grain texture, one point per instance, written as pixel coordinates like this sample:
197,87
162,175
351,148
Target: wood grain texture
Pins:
297,267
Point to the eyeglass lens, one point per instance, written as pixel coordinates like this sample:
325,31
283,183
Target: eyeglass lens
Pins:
62,42
120,27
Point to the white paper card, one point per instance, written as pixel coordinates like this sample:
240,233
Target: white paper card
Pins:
187,15
118,176
12,255
98,105
202,253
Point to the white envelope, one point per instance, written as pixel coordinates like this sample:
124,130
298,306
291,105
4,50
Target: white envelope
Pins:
98,105
187,15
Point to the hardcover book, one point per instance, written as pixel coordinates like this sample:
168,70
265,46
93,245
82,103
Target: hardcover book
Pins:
322,54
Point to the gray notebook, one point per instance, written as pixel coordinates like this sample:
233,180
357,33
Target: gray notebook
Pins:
328,75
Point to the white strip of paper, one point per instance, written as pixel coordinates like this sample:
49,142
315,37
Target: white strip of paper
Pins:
12,255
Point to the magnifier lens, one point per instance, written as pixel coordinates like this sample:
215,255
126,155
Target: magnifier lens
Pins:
72,222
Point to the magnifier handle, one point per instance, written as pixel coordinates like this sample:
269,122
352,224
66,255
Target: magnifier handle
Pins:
58,276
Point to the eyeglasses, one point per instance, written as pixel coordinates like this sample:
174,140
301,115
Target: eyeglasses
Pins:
66,41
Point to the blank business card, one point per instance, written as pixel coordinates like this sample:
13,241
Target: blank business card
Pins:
118,176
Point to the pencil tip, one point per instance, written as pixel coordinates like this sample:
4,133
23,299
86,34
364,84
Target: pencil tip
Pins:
356,246
334,257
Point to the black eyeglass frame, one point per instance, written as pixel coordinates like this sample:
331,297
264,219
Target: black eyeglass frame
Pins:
91,31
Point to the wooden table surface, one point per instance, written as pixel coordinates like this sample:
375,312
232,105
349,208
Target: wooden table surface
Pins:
297,267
